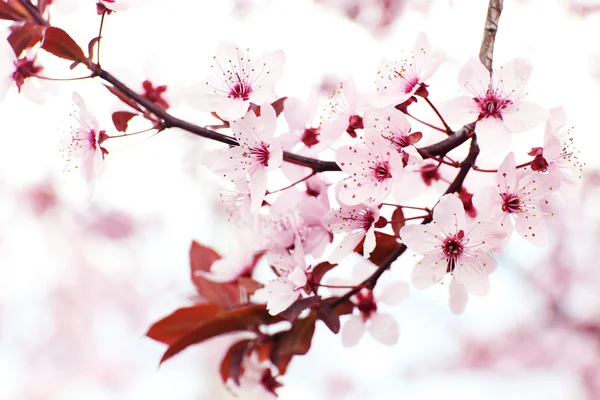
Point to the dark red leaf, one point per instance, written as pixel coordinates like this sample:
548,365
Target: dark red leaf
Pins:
239,319
91,46
12,13
329,316
231,366
25,37
121,119
319,271
296,341
228,294
249,284
293,311
398,221
385,246
59,43
278,105
181,322
123,98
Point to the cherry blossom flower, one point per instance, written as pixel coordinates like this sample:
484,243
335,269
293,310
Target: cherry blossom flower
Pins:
395,128
381,326
237,81
342,112
397,81
517,202
357,222
82,149
373,168
558,156
304,124
496,104
258,152
257,381
451,245
20,72
291,268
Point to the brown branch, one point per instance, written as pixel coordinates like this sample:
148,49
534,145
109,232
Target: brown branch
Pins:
486,53
35,13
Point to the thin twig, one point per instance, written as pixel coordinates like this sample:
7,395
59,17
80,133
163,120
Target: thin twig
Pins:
35,13
486,53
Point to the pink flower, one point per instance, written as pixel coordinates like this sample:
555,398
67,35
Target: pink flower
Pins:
82,150
382,326
305,127
258,152
21,73
237,81
285,290
342,112
517,202
373,168
397,81
558,157
495,103
395,129
357,222
450,245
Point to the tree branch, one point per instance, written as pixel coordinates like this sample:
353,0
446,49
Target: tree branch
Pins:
35,13
486,53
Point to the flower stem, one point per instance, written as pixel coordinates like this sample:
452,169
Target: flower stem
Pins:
295,183
434,108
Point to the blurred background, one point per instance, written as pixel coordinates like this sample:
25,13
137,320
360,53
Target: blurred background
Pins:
81,280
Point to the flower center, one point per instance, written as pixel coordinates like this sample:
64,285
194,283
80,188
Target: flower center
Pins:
491,105
24,69
429,173
381,171
365,302
368,219
452,248
310,137
260,153
511,203
154,94
240,89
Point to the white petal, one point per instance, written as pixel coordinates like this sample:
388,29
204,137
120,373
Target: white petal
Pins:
258,188
461,110
473,77
384,329
512,78
279,295
449,214
370,243
352,331
231,109
296,114
421,238
533,229
431,269
506,177
492,135
275,155
345,247
268,121
472,273
488,203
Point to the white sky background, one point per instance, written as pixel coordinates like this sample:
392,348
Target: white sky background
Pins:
74,307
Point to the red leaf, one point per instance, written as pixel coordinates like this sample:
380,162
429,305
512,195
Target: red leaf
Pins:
123,98
329,316
228,294
231,366
278,105
25,37
249,284
398,221
293,311
181,322
296,341
239,319
59,43
385,246
121,119
12,13
319,271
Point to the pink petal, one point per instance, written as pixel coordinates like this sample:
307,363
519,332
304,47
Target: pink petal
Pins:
421,238
275,155
279,295
557,119
332,129
458,297
268,121
394,293
296,114
532,229
384,329
258,188
431,269
370,243
506,177
298,277
487,235
488,203
231,109
492,135
522,115
273,63
461,110
345,247
361,271
473,78
512,78
472,273
449,214
352,331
